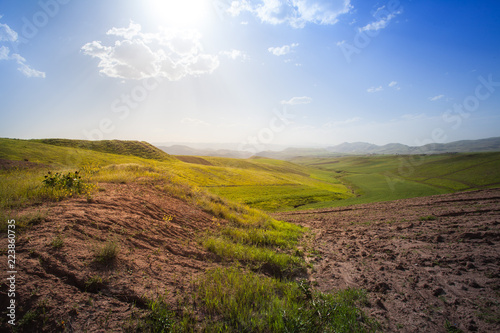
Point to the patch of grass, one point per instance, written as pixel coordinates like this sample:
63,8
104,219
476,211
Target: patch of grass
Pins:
34,319
94,283
57,242
23,221
427,218
277,264
107,253
160,318
249,302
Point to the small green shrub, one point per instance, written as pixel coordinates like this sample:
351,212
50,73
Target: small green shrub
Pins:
107,253
60,185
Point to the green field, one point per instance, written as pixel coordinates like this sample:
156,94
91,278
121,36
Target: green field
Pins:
383,178
268,184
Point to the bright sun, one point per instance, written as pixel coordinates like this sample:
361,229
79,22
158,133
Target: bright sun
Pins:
179,13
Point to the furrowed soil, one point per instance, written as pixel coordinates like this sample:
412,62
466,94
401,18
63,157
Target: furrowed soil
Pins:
66,288
430,264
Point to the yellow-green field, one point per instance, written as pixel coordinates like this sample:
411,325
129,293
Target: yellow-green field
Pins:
271,185
267,184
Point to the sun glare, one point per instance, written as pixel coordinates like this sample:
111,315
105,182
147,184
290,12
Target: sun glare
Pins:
179,13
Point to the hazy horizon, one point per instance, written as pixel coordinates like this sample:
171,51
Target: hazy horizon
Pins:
268,73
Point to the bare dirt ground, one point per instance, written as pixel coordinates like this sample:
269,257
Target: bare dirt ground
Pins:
67,289
430,264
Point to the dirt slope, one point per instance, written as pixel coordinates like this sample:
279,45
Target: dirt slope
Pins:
68,290
431,264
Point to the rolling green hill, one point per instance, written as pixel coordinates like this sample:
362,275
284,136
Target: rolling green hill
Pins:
120,147
271,185
390,177
259,182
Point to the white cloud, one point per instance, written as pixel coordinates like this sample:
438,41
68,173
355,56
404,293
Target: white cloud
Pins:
285,49
414,116
374,89
435,98
4,53
394,85
296,13
169,53
25,68
382,21
298,100
234,54
9,35
239,6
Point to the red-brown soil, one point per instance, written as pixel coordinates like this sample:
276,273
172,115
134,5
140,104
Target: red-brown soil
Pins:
156,256
430,264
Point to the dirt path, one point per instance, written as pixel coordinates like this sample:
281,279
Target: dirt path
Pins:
430,264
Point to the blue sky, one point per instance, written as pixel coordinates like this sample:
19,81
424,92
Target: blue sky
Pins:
253,73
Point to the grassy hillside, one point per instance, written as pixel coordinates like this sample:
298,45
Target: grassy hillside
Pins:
382,178
132,148
259,182
270,185
255,288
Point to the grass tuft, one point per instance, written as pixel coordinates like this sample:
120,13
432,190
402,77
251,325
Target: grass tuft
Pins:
107,253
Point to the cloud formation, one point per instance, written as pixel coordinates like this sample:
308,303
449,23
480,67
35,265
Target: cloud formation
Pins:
374,89
169,53
234,54
296,13
435,98
394,85
7,34
383,17
10,36
297,100
283,50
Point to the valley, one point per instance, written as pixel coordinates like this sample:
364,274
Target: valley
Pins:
120,236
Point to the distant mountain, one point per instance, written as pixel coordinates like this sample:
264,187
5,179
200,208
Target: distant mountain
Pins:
464,146
188,151
364,148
